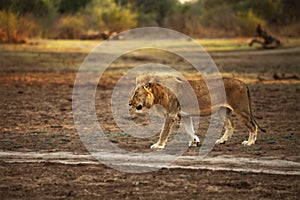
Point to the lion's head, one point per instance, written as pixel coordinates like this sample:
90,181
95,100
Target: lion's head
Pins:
142,97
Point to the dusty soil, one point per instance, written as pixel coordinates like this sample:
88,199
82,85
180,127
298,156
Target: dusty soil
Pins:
48,181
36,115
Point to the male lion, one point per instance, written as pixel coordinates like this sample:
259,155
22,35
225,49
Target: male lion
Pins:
149,92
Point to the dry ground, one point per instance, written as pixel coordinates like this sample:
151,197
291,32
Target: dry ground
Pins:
36,115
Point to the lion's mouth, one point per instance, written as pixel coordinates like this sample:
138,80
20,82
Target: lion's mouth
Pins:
139,107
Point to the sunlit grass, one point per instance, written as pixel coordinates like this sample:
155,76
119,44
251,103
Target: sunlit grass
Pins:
86,46
224,44
68,55
239,44
68,46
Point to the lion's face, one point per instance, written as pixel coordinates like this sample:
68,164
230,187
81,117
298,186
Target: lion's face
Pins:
142,97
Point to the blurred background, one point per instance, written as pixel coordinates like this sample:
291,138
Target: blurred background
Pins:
21,20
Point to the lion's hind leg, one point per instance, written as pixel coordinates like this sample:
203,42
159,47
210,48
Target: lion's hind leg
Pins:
189,128
252,137
229,129
252,128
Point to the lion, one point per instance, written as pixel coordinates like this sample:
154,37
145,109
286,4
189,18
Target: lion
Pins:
148,93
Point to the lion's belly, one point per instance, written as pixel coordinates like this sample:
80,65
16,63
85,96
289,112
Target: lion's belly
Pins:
209,100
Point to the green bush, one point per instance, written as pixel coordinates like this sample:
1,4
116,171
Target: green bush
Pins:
221,18
15,28
184,23
118,19
106,15
247,24
69,27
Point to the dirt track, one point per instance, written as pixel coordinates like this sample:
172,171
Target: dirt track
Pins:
36,115
264,165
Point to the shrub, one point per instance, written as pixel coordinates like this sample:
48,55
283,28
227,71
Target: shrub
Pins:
247,24
183,22
69,27
118,18
15,28
221,18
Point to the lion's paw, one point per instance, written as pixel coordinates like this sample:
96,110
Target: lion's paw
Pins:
157,146
220,141
195,142
248,143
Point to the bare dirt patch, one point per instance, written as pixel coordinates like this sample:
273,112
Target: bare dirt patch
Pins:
97,181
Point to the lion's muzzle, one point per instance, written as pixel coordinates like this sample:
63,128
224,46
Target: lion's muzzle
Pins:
139,107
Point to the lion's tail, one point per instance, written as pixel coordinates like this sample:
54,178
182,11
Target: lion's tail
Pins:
251,115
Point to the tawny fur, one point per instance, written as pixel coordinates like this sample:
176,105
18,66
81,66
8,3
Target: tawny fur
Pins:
237,100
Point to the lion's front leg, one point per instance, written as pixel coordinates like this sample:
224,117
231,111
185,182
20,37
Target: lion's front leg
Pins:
170,121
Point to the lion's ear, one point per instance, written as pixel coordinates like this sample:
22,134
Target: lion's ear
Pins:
147,87
143,79
139,80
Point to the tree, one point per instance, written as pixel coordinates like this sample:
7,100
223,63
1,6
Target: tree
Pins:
107,15
151,10
71,6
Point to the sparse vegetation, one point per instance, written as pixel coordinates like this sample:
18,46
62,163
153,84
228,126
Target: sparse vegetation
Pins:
98,19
